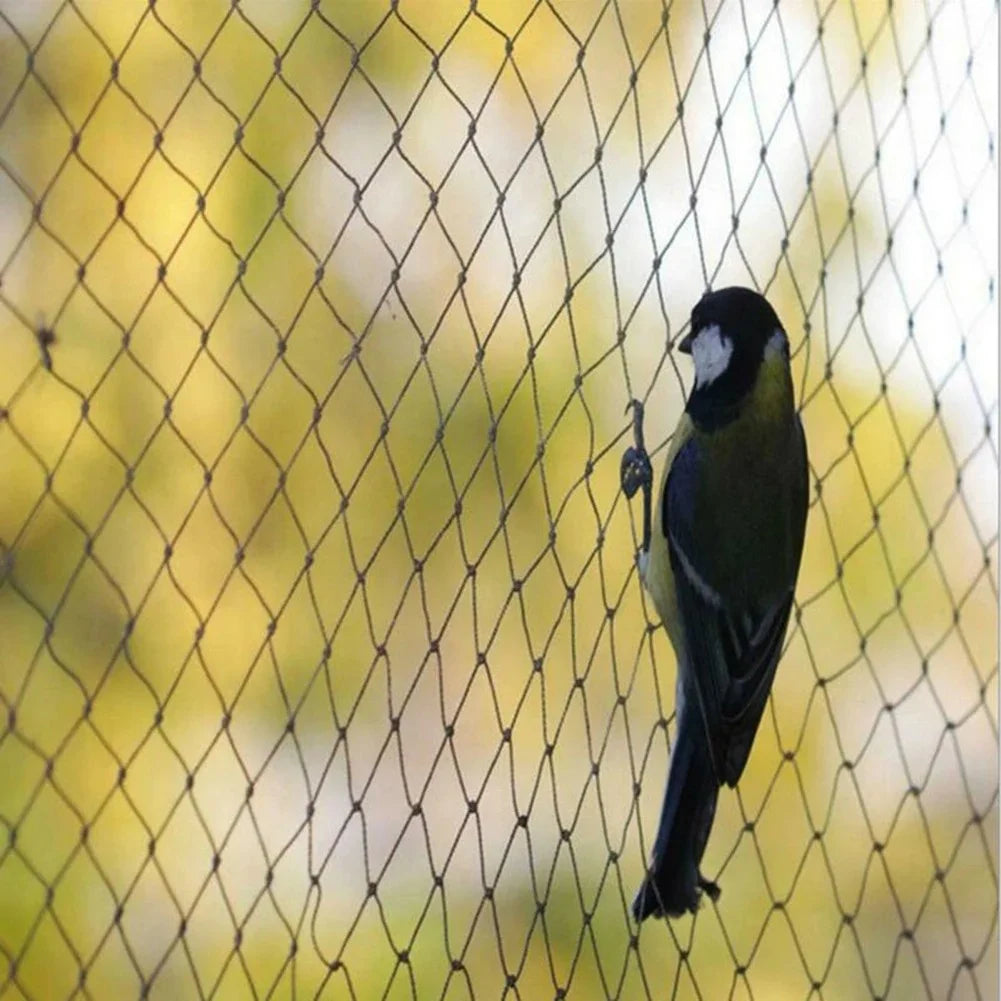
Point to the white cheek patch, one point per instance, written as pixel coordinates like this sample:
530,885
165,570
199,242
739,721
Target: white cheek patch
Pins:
711,353
778,344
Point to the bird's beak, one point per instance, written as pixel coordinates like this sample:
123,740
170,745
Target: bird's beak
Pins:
685,346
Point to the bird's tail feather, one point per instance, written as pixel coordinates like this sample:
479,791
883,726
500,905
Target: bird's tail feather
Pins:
673,883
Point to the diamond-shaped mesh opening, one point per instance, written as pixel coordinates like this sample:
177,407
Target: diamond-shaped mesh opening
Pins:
324,668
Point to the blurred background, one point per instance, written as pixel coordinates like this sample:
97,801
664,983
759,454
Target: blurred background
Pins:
325,671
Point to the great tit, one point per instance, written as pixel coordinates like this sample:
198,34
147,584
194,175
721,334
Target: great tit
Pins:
720,563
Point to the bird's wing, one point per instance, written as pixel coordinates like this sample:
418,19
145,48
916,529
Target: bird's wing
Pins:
732,647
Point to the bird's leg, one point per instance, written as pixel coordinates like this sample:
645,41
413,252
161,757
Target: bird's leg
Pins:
711,889
636,472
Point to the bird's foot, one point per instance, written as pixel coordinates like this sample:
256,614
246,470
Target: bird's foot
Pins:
711,890
636,471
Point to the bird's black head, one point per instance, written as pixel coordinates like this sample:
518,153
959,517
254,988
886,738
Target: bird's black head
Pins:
730,332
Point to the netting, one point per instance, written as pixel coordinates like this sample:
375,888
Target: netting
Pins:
325,671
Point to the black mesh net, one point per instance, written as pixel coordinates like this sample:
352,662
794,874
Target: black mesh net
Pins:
325,671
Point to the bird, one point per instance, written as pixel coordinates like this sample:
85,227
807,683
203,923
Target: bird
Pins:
720,562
